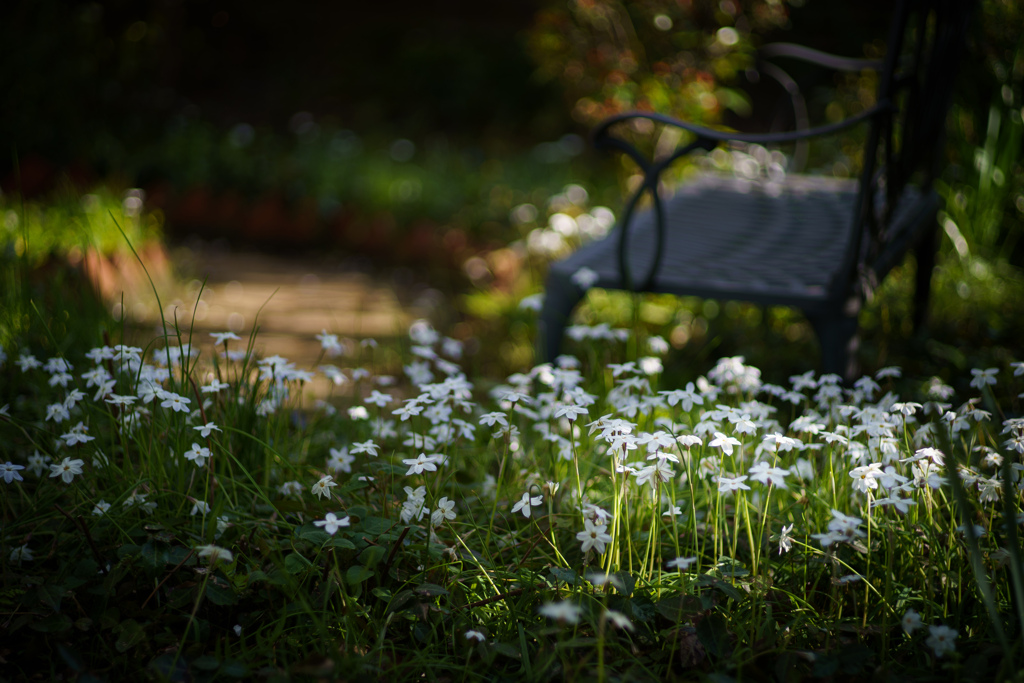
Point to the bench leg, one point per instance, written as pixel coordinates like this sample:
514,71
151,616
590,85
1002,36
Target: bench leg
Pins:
561,295
837,335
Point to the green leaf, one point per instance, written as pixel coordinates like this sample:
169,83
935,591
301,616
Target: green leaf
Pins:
86,568
296,564
854,657
71,658
566,575
372,555
359,511
825,666
234,668
177,554
220,595
339,542
206,663
127,550
315,536
642,608
356,574
626,580
679,608
507,650
430,589
110,618
376,525
130,634
714,635
729,590
401,599
728,566
55,623
152,557
50,596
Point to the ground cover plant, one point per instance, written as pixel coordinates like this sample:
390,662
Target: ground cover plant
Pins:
188,511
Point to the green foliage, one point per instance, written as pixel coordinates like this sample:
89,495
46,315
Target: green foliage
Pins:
228,565
666,57
71,225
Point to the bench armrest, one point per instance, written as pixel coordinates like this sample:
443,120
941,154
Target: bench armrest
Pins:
709,138
824,59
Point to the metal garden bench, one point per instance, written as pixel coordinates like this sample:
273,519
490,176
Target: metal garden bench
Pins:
817,244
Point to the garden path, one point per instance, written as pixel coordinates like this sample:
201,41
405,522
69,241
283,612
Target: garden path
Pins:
290,298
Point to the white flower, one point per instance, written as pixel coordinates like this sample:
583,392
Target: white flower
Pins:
290,488
565,612
865,477
200,508
21,554
204,430
941,640
891,371
766,474
340,460
419,464
57,412
411,409
329,343
907,409
911,621
657,344
215,553
525,504
475,635
27,362
570,412
331,523
490,419
77,435
221,338
785,541
174,402
379,399
214,387
618,620
901,504
685,397
323,487
445,510
585,278
724,442
729,484
365,447
593,537
982,378
681,563
534,302
601,579
67,469
9,472
37,463
197,454
101,508
139,500
358,413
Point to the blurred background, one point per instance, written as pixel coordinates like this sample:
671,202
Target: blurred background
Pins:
439,149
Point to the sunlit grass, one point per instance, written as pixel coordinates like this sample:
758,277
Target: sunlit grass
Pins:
181,507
